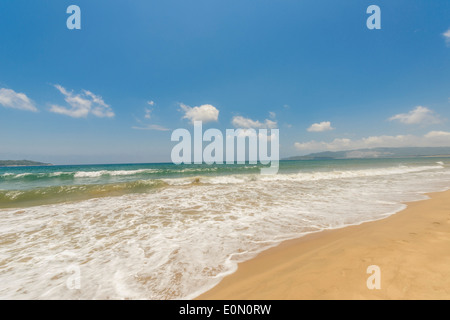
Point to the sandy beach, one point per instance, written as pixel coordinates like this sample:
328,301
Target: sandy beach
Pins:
411,248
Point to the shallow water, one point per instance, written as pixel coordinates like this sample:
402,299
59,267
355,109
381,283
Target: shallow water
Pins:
161,231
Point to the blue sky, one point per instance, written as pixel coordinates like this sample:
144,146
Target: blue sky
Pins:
115,90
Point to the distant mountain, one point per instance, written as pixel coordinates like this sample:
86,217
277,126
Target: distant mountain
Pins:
21,163
377,153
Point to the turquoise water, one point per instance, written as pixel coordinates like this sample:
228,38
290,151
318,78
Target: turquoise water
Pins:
161,231
25,186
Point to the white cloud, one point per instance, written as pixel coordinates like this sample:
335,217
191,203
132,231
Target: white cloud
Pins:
144,126
152,127
11,99
272,115
432,139
446,36
420,115
204,113
246,123
241,122
81,105
148,113
441,137
250,132
438,134
321,127
269,124
151,103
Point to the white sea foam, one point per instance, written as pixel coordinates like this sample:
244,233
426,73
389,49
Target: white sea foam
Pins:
304,176
96,174
180,240
21,175
131,172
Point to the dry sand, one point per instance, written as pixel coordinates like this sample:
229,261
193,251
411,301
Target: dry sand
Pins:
412,249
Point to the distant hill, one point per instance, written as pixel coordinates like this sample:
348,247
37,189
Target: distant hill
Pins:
377,153
21,163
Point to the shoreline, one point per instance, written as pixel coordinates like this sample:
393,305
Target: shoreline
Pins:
411,248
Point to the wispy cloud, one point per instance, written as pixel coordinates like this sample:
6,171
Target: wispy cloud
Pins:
151,127
247,123
83,104
11,99
321,127
431,139
438,134
148,113
204,113
250,132
446,36
420,115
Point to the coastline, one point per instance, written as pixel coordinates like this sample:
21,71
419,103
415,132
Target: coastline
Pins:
411,248
26,165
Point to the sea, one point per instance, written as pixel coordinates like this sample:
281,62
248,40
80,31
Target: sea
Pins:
165,231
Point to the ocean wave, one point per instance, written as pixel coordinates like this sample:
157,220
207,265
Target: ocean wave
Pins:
96,174
87,184
55,194
345,174
85,175
30,176
300,176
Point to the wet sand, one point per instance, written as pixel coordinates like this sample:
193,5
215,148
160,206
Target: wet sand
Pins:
411,248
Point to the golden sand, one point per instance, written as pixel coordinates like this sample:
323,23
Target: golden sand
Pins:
411,248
